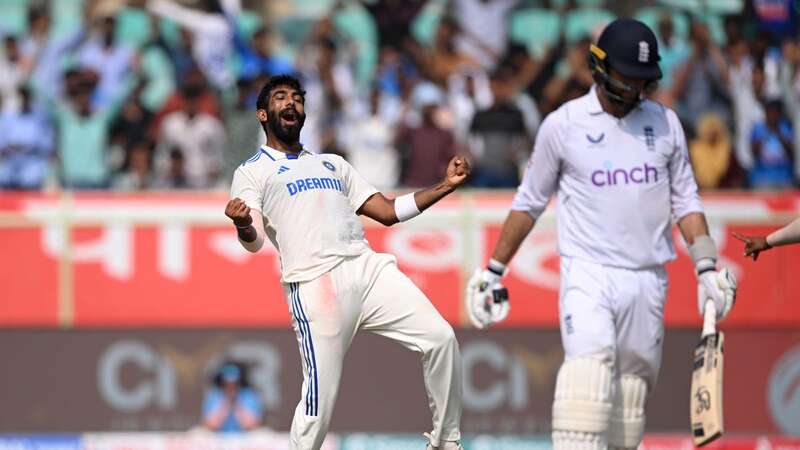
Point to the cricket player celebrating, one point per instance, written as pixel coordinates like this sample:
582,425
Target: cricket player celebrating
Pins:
307,206
619,167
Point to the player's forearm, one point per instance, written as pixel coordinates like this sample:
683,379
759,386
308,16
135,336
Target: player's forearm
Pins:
790,234
404,207
516,227
702,248
252,236
427,197
693,225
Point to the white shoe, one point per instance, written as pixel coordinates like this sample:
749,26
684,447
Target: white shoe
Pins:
445,445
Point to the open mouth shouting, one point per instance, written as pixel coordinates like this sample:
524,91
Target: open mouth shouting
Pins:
289,118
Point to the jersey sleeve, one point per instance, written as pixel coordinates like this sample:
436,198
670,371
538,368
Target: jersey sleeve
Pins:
684,197
245,187
356,188
541,176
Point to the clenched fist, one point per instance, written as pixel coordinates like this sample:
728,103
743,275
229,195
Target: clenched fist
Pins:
239,212
457,172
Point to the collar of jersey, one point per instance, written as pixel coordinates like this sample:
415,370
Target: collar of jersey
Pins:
594,107
276,155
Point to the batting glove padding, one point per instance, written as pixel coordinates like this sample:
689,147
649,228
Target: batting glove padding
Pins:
718,286
486,299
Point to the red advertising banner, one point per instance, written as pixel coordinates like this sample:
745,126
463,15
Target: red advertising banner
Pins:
154,380
93,260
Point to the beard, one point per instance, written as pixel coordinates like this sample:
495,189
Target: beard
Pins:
288,134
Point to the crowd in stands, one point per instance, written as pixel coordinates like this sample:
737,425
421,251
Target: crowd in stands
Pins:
160,94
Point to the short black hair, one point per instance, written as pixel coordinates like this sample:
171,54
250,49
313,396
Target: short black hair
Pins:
272,83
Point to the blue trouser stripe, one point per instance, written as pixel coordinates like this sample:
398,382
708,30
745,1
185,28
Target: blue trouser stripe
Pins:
303,342
312,395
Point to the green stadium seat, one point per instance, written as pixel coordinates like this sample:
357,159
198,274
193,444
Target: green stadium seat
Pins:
423,28
133,27
356,23
535,28
651,15
248,22
65,17
13,17
580,23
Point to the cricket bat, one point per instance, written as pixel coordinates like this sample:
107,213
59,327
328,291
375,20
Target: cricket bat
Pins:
706,393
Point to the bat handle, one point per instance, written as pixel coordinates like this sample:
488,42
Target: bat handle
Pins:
710,319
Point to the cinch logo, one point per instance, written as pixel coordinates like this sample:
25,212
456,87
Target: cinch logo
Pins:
307,184
638,175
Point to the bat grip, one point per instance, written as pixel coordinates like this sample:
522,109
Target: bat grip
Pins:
709,318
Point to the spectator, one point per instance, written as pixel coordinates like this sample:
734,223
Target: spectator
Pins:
194,84
790,90
231,405
393,19
701,84
772,142
32,44
712,155
174,177
672,49
12,74
110,60
156,70
572,79
468,92
369,141
329,82
83,131
181,55
245,133
396,71
137,172
444,59
747,85
212,36
26,146
131,126
201,139
428,146
499,139
483,27
257,58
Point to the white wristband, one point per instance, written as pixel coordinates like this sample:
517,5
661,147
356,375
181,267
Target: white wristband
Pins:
405,207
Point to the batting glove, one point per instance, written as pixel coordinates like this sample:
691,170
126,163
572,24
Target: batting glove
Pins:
486,299
718,286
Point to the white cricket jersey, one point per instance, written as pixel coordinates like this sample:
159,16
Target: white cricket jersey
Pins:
619,182
308,204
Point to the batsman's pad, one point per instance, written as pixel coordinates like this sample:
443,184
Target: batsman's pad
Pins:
627,416
583,396
578,440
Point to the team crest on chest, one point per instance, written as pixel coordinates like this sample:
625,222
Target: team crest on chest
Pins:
650,138
329,166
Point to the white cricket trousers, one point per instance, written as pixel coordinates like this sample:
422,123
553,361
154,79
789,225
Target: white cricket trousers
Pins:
368,292
614,314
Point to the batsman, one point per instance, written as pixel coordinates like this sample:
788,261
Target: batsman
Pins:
618,165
